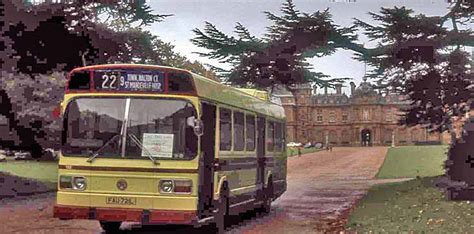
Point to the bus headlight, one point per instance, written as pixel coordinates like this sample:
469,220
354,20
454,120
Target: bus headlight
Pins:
176,186
78,183
166,186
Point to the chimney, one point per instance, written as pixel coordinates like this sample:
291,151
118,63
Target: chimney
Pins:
353,87
338,88
315,89
326,90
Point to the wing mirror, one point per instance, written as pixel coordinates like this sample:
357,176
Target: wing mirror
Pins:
196,124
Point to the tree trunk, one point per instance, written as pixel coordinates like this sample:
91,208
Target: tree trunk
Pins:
452,133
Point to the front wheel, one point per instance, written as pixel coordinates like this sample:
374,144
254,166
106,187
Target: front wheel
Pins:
110,227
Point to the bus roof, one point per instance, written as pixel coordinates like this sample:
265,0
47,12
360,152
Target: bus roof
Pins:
215,91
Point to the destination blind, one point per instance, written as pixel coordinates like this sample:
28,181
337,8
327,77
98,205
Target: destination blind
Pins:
129,80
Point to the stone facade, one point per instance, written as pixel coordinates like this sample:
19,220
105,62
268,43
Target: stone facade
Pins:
363,118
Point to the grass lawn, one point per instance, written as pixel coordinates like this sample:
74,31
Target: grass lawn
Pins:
413,161
415,205
45,172
294,151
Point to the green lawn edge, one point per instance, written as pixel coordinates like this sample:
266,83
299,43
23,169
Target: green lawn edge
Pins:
413,206
413,161
43,172
293,152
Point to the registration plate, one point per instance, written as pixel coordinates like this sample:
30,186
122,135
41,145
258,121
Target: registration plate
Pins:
121,201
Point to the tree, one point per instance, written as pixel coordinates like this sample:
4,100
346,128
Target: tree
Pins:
277,58
155,51
421,59
40,42
50,36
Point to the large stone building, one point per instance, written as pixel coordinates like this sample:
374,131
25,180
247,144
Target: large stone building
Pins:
365,117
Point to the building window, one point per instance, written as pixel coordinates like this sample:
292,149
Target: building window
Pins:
365,115
239,140
332,117
319,115
344,117
388,115
225,127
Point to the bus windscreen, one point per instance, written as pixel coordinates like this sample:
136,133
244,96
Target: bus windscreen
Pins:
156,127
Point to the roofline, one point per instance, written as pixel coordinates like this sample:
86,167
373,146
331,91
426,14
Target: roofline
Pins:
129,65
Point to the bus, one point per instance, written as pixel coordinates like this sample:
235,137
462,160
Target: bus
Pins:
161,145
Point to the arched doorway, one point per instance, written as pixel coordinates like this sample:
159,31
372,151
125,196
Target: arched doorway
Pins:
366,137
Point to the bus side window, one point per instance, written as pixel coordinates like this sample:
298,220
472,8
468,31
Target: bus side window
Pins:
239,138
277,137
270,136
250,133
225,126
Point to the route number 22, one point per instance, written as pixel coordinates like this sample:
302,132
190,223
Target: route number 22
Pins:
109,81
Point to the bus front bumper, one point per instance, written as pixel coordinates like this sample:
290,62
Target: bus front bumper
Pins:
126,214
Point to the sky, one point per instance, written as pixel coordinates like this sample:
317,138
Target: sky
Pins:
190,14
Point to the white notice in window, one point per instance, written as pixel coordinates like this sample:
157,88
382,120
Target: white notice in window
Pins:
159,145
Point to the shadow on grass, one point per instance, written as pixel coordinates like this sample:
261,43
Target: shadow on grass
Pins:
13,186
416,205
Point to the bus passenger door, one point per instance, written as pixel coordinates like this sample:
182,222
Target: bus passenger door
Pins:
260,154
206,162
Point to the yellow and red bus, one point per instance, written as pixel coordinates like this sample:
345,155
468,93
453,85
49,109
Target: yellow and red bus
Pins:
161,145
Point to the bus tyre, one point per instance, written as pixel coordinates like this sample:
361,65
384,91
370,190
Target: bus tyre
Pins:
110,227
267,197
221,213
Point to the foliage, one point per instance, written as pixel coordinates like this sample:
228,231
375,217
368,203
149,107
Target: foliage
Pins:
60,36
151,50
460,164
32,102
278,57
39,42
421,59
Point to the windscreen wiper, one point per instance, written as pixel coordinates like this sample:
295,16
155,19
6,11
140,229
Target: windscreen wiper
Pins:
142,147
96,153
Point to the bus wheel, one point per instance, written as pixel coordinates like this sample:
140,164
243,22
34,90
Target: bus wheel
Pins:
268,197
221,213
110,227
